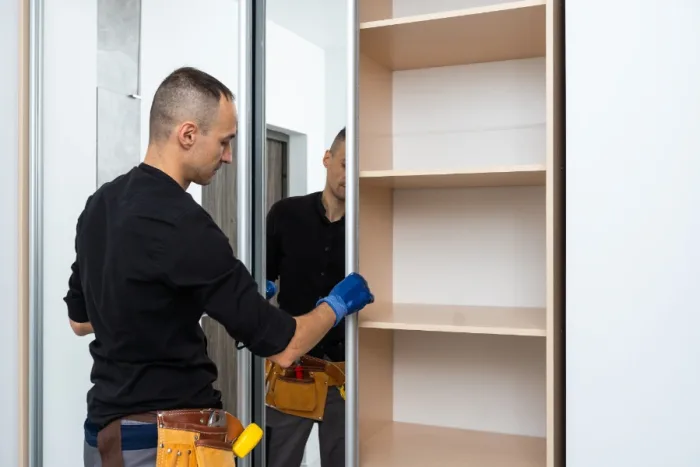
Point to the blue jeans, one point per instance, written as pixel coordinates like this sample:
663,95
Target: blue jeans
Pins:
139,444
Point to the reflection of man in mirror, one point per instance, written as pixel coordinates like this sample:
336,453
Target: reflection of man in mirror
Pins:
306,252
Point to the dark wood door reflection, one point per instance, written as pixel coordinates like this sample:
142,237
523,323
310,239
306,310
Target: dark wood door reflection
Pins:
219,199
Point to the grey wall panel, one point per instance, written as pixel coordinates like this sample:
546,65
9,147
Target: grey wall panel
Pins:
118,130
118,44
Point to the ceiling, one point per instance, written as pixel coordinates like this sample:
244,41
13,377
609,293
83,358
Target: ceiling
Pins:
321,22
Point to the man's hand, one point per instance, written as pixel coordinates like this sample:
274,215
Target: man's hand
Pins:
81,329
271,290
348,296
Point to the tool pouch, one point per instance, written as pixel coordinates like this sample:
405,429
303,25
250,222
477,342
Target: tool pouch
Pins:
185,438
302,397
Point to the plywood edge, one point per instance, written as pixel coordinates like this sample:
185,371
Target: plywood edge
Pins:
452,14
526,175
372,10
492,331
376,381
501,321
376,347
23,236
375,115
482,170
556,162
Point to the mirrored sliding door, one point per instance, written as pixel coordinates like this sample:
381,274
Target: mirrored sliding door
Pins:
311,224
95,67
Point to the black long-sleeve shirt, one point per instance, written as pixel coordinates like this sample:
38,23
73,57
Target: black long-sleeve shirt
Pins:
306,252
149,262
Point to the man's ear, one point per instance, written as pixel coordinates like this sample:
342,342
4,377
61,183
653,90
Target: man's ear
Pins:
327,159
186,134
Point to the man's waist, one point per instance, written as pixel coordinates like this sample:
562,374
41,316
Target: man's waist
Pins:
104,408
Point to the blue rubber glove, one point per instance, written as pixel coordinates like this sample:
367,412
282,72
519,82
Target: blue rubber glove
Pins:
271,290
348,296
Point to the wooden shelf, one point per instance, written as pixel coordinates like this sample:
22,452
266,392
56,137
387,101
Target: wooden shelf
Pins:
507,321
426,137
529,175
485,34
409,445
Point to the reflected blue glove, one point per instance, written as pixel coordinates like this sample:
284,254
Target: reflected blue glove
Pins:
270,290
348,296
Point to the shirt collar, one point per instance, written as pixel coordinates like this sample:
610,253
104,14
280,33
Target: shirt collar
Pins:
149,169
322,209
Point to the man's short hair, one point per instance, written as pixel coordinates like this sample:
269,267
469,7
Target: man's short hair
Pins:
337,141
186,94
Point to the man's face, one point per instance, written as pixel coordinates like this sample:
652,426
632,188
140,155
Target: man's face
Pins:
335,171
213,149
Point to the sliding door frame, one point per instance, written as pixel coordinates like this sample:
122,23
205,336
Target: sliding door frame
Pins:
252,200
259,181
352,211
35,232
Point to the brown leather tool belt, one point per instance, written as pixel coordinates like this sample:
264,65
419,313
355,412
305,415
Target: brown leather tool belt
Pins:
302,389
201,437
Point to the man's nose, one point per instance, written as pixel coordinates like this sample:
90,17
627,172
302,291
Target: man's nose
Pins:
228,157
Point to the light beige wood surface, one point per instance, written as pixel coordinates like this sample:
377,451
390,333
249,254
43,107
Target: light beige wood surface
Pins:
531,175
410,445
376,383
484,34
376,102
506,321
398,337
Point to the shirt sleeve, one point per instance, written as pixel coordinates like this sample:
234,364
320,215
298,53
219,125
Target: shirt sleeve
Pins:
74,299
204,265
272,251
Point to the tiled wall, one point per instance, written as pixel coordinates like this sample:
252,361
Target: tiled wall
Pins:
118,100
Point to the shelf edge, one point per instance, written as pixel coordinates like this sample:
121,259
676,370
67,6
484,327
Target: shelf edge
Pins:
452,14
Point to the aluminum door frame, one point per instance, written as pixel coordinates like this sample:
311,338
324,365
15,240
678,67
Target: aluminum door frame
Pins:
252,209
252,189
36,233
352,211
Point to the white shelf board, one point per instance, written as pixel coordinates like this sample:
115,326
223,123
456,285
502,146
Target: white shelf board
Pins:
507,321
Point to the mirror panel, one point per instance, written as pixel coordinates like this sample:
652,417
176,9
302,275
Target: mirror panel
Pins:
306,94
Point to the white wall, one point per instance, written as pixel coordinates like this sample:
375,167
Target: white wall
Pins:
295,75
209,42
295,98
295,94
9,237
336,91
633,224
480,115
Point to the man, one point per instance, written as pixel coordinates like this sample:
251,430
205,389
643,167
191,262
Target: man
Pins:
306,252
149,262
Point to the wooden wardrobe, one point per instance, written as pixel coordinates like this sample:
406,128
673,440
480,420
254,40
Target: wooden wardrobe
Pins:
461,207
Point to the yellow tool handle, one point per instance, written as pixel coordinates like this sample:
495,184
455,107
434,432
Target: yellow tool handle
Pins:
250,438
